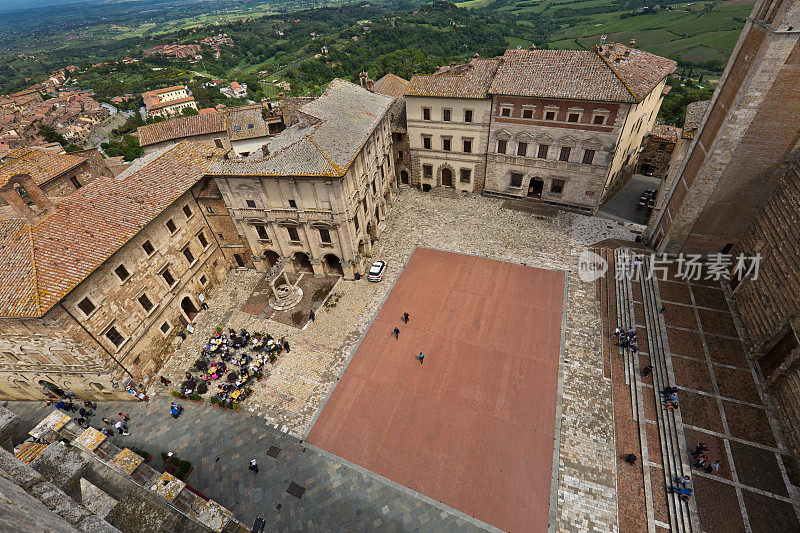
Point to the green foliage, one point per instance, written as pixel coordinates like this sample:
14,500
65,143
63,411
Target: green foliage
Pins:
51,135
128,148
214,400
673,108
143,454
195,397
189,111
182,468
72,148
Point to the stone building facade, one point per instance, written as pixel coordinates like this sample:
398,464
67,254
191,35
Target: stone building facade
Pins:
740,152
565,125
658,149
168,102
396,87
233,245
57,175
447,114
97,286
769,303
317,192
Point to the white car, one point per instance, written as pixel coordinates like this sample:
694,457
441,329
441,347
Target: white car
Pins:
376,271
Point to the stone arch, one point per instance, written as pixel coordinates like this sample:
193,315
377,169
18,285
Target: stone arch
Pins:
302,262
361,247
189,308
333,265
535,187
404,177
271,257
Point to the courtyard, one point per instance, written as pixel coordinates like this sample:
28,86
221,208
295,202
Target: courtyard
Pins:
294,389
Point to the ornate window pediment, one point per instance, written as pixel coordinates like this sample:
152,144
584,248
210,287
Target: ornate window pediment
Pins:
568,139
503,134
544,138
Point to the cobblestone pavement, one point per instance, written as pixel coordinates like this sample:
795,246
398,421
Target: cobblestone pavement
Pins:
291,395
220,444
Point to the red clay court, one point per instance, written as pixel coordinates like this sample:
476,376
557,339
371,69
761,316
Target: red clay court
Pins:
473,426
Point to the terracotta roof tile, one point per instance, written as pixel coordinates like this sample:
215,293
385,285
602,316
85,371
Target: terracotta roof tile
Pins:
613,73
86,228
392,86
42,165
471,80
332,131
177,128
665,133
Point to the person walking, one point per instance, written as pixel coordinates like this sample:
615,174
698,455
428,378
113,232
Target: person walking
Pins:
396,333
405,318
421,356
107,421
286,346
713,466
164,380
700,448
124,417
630,459
312,316
253,466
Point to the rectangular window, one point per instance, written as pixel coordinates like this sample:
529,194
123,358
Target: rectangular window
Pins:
468,115
171,226
446,144
446,115
86,306
505,111
550,115
145,302
355,221
75,182
209,209
426,143
573,117
565,151
201,237
167,275
187,253
501,146
557,186
599,119
399,155
122,273
588,157
187,211
426,113
516,179
543,149
292,204
148,248
261,230
250,203
522,149
466,175
165,327
114,336
427,171
293,235
324,235
467,146
203,279
527,113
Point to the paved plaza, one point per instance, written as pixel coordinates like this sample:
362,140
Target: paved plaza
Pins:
290,396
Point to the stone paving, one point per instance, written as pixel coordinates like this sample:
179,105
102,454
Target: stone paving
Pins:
220,444
290,396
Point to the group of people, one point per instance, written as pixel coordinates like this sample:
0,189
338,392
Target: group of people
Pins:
701,459
248,352
627,339
396,332
670,397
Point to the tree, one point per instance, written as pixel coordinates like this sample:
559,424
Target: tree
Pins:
128,148
189,111
51,135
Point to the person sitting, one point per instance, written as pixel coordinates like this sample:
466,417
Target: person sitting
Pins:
671,405
683,492
175,410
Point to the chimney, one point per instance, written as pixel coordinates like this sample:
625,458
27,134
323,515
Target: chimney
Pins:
26,198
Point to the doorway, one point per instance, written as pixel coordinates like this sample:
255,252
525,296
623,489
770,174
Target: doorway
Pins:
447,177
271,257
404,177
302,263
189,308
535,188
333,265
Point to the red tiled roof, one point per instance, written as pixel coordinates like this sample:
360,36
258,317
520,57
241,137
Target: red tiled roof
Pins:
614,73
41,262
391,85
168,103
459,81
42,165
178,128
665,133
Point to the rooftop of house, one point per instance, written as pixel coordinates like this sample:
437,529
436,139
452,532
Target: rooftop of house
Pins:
159,92
609,73
246,122
665,133
331,132
42,261
42,165
152,103
181,127
694,115
392,86
470,80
